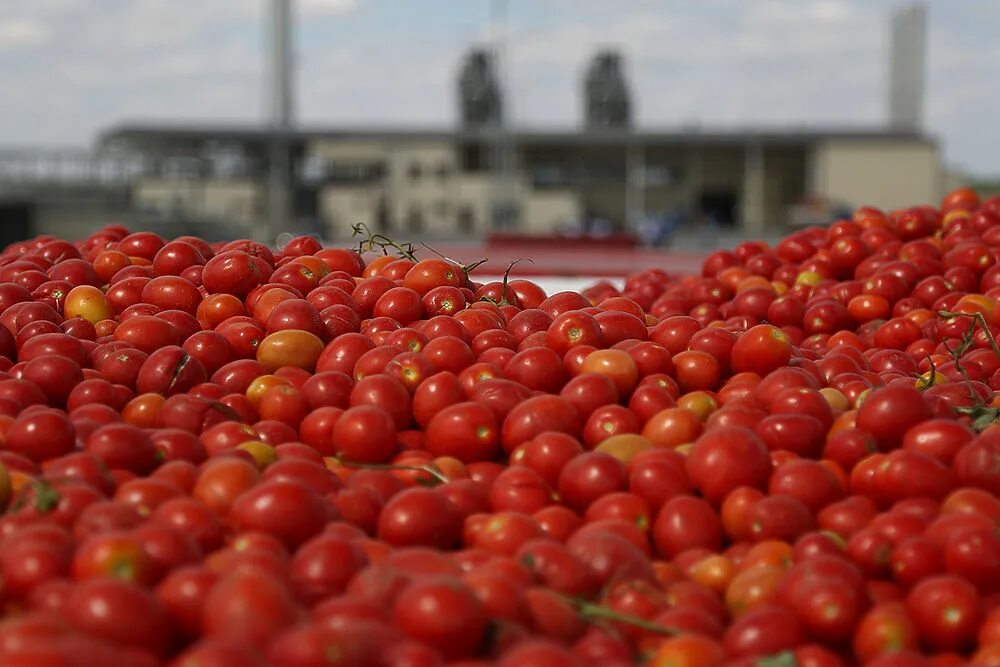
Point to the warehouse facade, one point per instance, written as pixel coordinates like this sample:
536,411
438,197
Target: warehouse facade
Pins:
448,183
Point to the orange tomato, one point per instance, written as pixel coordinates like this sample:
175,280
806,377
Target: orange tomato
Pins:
267,300
5,487
617,365
713,572
314,264
753,587
702,403
960,198
87,302
217,308
108,263
377,265
624,446
768,552
222,480
290,347
688,650
672,427
260,385
143,410
105,328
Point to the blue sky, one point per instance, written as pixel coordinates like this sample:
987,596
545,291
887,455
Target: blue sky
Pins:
70,68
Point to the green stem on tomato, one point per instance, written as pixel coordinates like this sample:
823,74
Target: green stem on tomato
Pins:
428,469
981,321
375,240
595,611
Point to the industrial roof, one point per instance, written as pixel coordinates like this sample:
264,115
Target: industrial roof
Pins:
166,132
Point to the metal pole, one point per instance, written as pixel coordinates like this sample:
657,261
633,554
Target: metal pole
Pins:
502,203
753,203
280,119
635,183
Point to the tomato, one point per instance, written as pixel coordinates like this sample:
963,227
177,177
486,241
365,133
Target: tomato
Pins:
885,628
290,511
442,613
113,555
290,347
571,329
890,411
688,650
617,365
119,612
365,434
725,458
467,431
249,606
419,516
536,415
685,522
590,476
696,370
386,393
607,422
41,435
945,612
87,302
537,368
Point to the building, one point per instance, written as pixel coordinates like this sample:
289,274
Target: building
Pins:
483,176
438,182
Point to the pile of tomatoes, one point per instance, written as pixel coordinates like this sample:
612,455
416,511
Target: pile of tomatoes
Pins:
220,454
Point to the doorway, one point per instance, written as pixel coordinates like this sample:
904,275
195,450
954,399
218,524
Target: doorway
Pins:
719,206
17,222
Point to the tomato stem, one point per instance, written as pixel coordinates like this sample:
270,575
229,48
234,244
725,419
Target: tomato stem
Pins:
382,242
783,659
968,340
590,610
429,469
46,497
179,367
981,321
928,382
467,269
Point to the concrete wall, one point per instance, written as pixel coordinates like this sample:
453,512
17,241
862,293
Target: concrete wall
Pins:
547,211
240,201
341,206
347,150
884,173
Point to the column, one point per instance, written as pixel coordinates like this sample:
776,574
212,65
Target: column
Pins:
752,206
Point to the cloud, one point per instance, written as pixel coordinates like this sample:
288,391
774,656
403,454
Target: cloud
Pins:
325,7
18,33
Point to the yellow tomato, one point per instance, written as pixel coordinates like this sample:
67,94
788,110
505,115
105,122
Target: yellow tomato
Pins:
292,347
89,303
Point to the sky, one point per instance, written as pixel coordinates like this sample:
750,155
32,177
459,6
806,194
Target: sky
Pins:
72,68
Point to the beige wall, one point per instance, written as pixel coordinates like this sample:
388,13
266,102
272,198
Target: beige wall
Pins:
237,200
340,207
472,194
234,200
347,150
884,173
545,212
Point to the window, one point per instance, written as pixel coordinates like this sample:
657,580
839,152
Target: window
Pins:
466,219
415,171
443,172
415,220
473,157
354,172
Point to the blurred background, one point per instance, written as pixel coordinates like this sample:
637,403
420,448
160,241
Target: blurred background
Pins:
644,123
